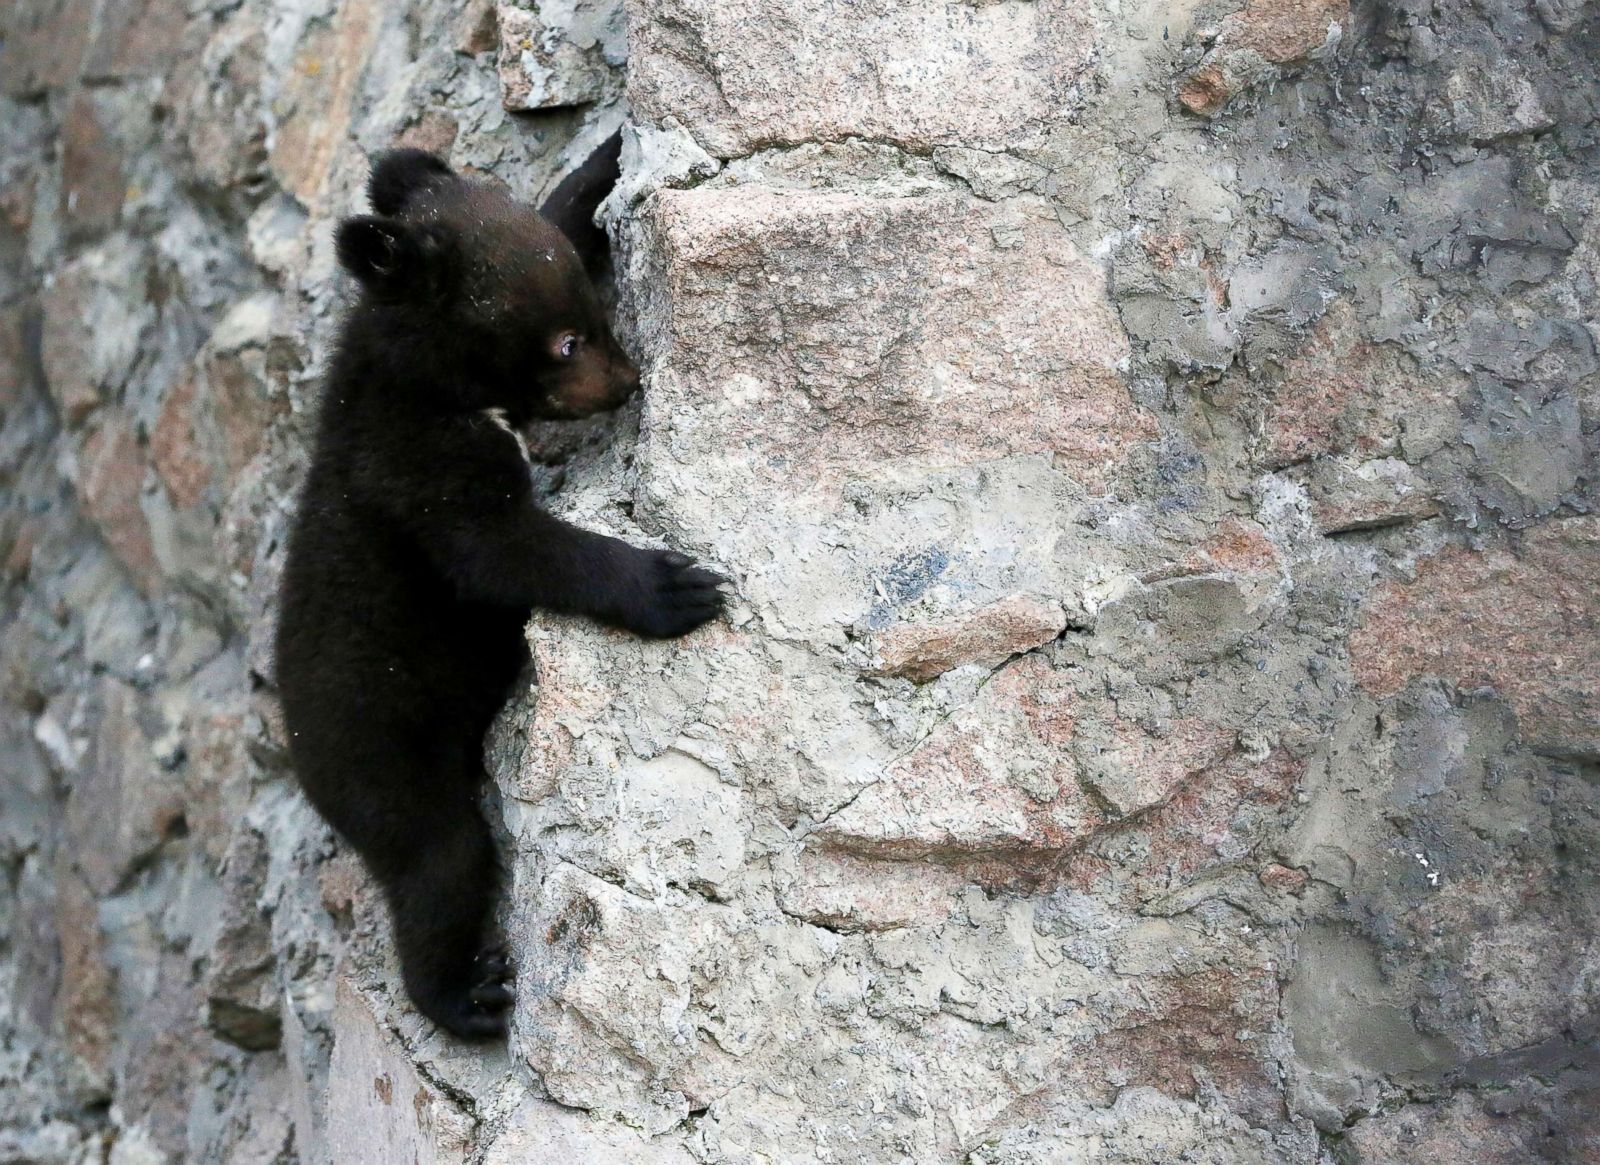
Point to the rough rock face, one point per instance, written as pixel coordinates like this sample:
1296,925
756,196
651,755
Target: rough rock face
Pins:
1154,449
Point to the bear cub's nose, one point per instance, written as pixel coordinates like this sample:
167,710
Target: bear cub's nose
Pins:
624,377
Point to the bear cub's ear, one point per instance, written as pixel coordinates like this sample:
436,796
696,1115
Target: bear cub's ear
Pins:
394,260
398,174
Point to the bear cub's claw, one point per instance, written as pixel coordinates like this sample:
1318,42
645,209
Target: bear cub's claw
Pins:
674,596
493,966
470,1021
479,1013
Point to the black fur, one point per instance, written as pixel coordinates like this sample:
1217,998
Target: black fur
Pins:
418,551
399,174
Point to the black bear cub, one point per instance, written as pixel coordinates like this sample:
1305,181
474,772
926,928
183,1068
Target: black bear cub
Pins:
419,550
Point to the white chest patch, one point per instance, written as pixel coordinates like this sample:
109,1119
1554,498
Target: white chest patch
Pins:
497,417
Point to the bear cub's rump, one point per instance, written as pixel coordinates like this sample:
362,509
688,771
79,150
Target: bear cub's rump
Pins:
419,550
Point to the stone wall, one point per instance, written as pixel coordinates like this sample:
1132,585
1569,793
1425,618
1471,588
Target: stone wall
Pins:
1153,446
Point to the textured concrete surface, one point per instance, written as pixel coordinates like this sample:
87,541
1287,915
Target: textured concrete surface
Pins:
1154,448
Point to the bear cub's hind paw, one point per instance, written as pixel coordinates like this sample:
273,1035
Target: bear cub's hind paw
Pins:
479,1011
673,597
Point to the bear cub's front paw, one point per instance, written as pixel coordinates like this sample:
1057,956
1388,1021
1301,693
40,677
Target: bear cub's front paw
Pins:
671,596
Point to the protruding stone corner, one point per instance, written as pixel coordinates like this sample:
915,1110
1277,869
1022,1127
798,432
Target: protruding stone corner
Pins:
541,1131
380,1109
559,53
987,637
1237,548
243,999
1350,495
655,157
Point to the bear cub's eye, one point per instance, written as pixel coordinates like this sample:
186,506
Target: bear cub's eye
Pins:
567,346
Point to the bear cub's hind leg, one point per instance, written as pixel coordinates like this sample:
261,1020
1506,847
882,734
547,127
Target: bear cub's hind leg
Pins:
441,900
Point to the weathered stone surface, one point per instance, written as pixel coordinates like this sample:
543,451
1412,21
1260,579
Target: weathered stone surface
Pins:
1239,549
1528,448
91,171
111,479
1452,816
1015,772
933,388
1057,787
161,1061
1199,1033
242,1004
559,52
477,29
16,378
996,777
1283,31
1141,1124
1250,42
86,1006
138,39
1342,395
654,157
215,417
1137,770
1468,1129
45,43
540,1131
678,825
1214,820
434,131
173,450
94,318
122,806
1342,1055
380,1109
703,1007
219,103
1484,103
1208,89
843,892
1351,495
987,637
1523,623
920,75
317,104
1277,877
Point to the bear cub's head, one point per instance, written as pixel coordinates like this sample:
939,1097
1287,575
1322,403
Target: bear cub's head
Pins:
486,286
